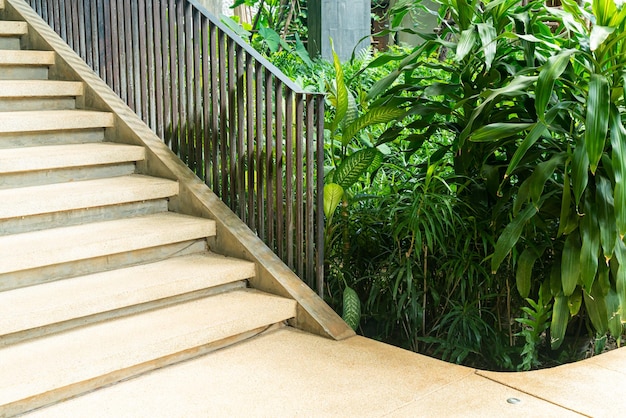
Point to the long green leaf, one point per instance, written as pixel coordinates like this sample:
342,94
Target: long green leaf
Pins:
596,309
618,157
487,34
351,308
599,35
614,314
523,275
510,236
575,301
542,173
550,71
560,318
355,165
590,249
465,44
375,115
580,171
570,263
566,201
496,131
606,216
597,119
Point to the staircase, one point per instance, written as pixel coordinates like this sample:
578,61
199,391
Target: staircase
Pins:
99,279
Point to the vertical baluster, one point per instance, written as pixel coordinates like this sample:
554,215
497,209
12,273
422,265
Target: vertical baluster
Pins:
215,106
166,119
260,137
189,88
207,86
289,175
223,135
279,218
182,93
158,67
250,116
151,66
143,61
175,115
300,204
319,216
239,151
88,32
232,132
310,188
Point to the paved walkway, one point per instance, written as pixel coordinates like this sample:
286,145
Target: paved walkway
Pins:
288,373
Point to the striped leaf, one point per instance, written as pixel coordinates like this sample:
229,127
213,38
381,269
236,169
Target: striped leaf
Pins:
550,71
560,318
614,314
356,165
618,149
375,115
570,264
351,308
606,216
510,236
523,274
597,119
590,249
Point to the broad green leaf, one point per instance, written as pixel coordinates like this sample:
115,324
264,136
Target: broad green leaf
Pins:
342,92
580,171
606,216
574,302
270,38
555,278
596,309
355,165
523,275
510,236
496,131
570,264
603,10
487,34
620,285
599,35
550,71
384,83
302,52
590,249
536,132
374,116
618,149
351,308
333,193
465,44
597,119
560,318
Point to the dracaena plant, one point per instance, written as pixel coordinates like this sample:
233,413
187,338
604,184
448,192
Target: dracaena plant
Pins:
580,135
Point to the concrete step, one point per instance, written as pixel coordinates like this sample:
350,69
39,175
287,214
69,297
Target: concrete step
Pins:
83,194
53,120
20,160
38,95
32,250
57,306
53,368
11,33
25,65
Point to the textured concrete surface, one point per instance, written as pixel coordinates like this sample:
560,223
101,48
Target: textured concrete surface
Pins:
288,373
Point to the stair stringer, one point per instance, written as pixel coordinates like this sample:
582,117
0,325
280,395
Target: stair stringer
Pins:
234,238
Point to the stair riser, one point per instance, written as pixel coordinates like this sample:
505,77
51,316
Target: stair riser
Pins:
17,140
69,391
54,103
81,216
9,42
21,336
20,72
38,178
79,268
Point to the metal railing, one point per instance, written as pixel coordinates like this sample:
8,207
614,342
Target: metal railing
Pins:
242,126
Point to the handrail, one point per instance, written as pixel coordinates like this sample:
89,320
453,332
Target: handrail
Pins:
248,131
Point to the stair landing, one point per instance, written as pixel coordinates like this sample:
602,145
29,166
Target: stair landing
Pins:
287,373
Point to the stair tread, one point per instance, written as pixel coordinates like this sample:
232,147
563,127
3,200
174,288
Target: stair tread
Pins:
27,58
40,88
14,160
62,245
13,28
54,302
84,194
57,361
51,120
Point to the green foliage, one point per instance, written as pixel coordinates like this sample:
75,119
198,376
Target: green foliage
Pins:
534,324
